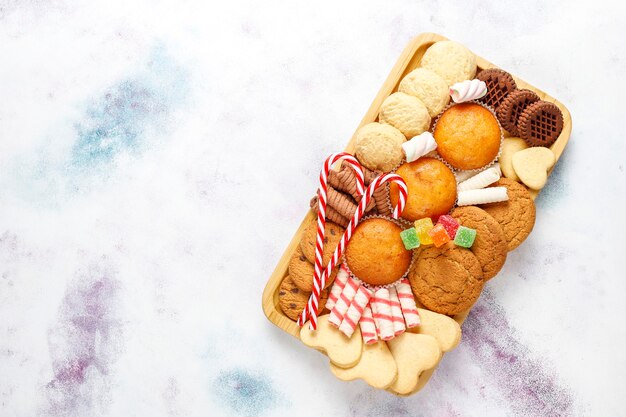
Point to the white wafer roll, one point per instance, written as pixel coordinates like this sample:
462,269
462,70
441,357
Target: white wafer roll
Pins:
338,285
496,166
368,327
407,303
419,146
396,312
382,314
482,196
480,180
355,311
343,302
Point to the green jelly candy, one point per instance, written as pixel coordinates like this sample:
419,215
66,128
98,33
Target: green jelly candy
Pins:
465,237
410,238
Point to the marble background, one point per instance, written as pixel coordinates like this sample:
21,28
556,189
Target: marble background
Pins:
157,156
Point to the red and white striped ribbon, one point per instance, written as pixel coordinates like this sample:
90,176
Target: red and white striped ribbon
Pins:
311,309
319,280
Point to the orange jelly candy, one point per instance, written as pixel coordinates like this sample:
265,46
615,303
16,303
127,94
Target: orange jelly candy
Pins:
439,235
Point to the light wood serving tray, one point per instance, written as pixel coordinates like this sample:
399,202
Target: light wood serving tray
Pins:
408,61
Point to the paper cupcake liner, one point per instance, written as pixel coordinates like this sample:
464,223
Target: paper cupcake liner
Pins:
495,159
404,225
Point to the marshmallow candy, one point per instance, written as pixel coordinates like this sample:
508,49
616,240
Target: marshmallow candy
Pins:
482,196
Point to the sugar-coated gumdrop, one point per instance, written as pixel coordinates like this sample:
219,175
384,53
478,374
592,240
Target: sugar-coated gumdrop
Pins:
465,237
422,226
439,235
449,224
410,238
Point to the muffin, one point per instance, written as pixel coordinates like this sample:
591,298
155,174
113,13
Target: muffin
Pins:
376,254
432,189
406,113
428,87
379,146
468,136
450,60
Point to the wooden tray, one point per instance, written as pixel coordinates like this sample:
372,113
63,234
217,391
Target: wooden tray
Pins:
408,61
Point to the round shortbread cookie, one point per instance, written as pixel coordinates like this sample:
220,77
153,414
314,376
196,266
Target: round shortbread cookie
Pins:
428,87
301,271
406,113
447,280
451,60
490,246
517,215
378,146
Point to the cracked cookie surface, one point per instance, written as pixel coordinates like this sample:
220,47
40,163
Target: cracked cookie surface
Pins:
490,245
447,280
517,215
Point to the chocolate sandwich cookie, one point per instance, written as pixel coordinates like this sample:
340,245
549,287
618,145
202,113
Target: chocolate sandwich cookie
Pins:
512,107
499,84
540,124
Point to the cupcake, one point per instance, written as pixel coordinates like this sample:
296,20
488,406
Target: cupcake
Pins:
376,254
468,136
432,189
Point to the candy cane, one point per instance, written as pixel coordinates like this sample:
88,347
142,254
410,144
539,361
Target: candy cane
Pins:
322,198
311,309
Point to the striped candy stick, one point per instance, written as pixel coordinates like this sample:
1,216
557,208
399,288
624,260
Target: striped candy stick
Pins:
338,286
407,303
355,311
322,198
311,309
396,312
343,303
381,306
368,327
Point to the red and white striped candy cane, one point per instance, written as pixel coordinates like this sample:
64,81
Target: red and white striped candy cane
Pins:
318,283
311,309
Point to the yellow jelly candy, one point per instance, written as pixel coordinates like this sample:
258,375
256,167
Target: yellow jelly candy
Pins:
423,226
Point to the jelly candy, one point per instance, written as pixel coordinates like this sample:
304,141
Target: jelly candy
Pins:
449,224
465,237
410,238
439,235
422,226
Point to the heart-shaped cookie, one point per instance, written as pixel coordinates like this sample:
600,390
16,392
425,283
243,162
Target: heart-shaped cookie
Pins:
510,146
532,165
343,352
414,354
445,330
376,367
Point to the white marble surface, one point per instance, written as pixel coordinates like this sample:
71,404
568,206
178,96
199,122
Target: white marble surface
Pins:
156,158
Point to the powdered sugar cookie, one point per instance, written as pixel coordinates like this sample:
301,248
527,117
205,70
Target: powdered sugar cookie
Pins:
428,87
451,60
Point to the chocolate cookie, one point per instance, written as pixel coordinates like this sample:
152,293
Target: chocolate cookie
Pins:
447,280
512,107
490,246
301,271
540,124
517,215
332,236
499,84
292,299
